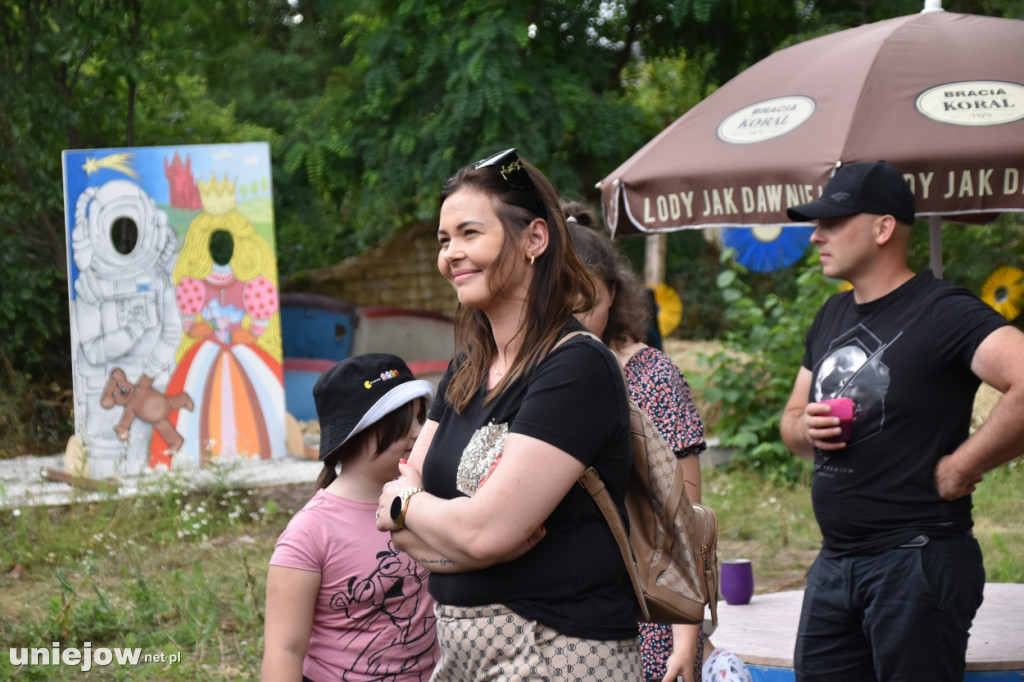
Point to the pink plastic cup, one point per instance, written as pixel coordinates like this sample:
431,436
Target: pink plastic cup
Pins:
842,408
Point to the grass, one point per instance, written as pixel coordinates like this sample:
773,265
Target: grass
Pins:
770,525
179,572
774,526
171,572
999,522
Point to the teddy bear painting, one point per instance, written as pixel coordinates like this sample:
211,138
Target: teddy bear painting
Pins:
140,400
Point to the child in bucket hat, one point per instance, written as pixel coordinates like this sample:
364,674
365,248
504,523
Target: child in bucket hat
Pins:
340,597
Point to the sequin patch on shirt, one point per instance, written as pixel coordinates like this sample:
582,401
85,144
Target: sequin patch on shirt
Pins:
481,453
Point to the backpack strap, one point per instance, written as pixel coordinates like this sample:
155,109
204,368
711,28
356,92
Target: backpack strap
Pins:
575,333
592,483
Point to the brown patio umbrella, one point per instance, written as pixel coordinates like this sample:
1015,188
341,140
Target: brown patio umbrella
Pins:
939,95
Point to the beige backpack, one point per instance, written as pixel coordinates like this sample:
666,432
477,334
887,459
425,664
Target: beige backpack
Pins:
671,549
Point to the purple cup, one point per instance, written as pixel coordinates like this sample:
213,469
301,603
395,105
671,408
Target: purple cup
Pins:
842,408
736,581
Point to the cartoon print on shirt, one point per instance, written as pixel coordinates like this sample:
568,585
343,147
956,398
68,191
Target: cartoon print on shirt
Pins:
854,368
386,603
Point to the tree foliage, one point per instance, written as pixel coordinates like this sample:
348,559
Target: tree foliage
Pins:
751,380
76,74
437,83
368,106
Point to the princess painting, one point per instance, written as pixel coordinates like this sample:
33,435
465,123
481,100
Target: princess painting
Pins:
230,355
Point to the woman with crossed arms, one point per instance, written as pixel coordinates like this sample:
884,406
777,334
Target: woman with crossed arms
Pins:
528,579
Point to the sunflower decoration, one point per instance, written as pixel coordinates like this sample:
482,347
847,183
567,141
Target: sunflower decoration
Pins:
670,308
767,248
1004,291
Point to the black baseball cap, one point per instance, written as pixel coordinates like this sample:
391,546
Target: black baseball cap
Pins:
861,188
358,391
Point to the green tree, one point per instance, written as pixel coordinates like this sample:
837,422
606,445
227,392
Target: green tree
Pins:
78,74
752,378
368,107
435,84
268,63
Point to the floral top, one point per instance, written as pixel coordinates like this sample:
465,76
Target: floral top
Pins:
658,387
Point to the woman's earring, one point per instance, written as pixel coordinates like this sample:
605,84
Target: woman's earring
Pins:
533,257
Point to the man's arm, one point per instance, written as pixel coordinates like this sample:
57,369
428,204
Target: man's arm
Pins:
999,362
805,426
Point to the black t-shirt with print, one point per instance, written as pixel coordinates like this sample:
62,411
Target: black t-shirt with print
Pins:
905,360
574,580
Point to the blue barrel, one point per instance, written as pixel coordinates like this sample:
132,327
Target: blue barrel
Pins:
315,326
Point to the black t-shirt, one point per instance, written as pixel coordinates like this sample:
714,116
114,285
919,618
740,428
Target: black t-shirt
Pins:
905,360
574,580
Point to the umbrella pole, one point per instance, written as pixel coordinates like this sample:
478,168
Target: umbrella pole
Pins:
655,250
935,245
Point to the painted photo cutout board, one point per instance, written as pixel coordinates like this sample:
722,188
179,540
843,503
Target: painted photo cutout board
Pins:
175,323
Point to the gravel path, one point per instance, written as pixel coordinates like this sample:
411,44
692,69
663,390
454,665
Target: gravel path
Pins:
22,482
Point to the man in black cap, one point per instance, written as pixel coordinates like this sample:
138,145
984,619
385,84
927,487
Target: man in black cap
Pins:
899,577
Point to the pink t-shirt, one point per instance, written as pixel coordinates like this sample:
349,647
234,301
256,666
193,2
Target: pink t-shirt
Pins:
374,618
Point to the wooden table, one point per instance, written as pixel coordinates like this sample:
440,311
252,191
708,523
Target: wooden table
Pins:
763,634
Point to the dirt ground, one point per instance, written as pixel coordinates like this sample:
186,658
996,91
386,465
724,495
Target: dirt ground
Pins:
786,570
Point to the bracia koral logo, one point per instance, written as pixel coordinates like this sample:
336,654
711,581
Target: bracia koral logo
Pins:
973,103
765,120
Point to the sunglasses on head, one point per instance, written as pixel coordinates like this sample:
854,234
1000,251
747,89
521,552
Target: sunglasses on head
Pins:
511,168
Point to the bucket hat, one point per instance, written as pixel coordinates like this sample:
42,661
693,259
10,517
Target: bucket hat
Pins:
358,391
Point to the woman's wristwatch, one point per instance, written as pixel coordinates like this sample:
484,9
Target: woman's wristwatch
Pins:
400,505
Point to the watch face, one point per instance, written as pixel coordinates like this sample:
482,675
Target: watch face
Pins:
396,507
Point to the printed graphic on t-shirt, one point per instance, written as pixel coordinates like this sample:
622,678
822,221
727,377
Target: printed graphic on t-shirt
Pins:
385,604
854,367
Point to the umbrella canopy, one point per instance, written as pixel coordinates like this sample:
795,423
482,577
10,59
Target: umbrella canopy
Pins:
939,95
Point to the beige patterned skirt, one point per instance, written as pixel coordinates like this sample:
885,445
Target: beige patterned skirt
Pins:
495,644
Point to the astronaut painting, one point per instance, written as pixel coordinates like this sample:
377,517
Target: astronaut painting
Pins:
175,333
